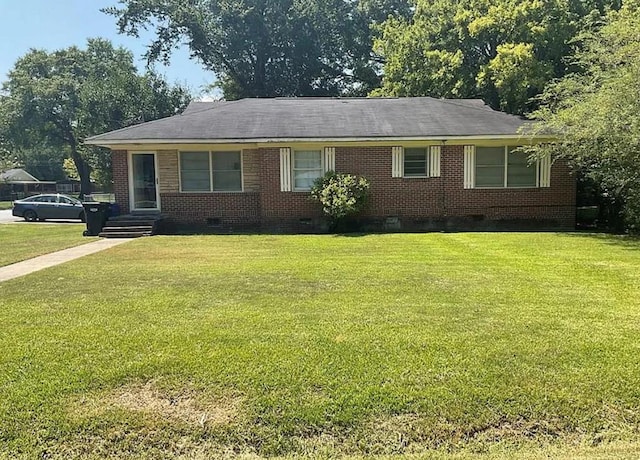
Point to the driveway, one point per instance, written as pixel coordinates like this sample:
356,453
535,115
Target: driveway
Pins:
7,218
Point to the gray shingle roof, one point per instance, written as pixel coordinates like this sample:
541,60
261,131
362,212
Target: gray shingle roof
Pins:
17,175
323,118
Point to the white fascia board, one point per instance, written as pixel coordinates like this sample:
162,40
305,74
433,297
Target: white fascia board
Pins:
108,143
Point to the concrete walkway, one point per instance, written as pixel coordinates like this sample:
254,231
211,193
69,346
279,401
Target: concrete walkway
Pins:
56,258
6,217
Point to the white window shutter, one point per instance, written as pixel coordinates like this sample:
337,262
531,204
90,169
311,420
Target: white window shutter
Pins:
397,166
544,169
434,160
285,169
469,166
329,159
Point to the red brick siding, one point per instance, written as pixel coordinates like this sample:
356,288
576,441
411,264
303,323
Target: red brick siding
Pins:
553,203
390,196
419,203
120,165
231,209
416,199
281,210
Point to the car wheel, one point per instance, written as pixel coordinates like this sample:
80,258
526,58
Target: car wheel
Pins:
82,217
30,215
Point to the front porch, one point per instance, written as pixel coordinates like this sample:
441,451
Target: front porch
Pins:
134,225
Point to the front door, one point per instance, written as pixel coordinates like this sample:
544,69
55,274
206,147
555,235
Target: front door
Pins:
144,182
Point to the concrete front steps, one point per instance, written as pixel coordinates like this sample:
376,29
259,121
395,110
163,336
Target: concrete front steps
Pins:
132,226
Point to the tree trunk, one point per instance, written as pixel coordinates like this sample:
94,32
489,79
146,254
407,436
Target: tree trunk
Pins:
260,76
84,171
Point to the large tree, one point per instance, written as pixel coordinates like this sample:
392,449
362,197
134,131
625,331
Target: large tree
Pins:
596,110
54,100
267,48
501,51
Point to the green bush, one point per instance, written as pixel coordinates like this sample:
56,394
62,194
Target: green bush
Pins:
341,196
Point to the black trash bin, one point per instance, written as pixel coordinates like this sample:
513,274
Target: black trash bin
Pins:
114,209
96,214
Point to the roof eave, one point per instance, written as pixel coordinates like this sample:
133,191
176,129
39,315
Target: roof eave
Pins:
470,137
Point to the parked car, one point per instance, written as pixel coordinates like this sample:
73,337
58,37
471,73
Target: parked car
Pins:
48,206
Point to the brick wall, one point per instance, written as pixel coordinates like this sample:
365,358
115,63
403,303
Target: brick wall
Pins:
216,211
223,211
554,205
121,179
395,203
283,211
391,196
422,203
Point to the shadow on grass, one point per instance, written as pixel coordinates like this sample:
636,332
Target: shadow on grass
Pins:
625,241
257,233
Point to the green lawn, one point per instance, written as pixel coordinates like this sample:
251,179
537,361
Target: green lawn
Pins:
506,345
23,241
6,205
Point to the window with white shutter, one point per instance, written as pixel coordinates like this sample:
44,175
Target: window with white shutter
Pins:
434,160
396,161
544,170
285,169
416,162
307,167
503,167
329,159
469,166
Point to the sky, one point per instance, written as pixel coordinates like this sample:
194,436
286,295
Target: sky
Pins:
57,24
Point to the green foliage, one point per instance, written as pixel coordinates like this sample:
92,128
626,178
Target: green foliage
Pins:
268,48
53,101
515,74
596,111
42,161
503,52
7,161
341,195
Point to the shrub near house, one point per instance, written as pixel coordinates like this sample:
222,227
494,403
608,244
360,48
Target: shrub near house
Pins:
432,164
341,196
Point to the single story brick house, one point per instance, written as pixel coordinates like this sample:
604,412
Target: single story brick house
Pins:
249,164
17,183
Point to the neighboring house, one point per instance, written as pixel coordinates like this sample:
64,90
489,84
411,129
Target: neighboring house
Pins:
68,186
17,183
249,164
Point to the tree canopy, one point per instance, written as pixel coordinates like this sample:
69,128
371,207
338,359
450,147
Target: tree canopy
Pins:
53,101
501,51
506,52
596,110
267,48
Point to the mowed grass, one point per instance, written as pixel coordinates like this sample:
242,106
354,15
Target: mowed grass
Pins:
22,241
465,345
6,205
